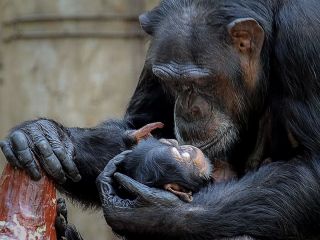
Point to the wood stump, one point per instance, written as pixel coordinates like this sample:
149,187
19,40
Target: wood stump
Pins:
27,208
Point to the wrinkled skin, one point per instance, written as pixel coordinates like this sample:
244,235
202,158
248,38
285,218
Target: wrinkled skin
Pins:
46,139
117,210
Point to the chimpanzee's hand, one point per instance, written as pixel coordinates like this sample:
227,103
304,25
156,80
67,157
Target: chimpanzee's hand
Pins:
46,140
147,212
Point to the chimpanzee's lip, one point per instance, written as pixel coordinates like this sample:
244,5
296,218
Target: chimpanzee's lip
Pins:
213,141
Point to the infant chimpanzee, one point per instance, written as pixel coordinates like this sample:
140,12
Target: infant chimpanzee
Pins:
162,163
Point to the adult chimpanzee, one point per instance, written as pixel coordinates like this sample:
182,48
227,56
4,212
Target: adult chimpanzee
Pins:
239,79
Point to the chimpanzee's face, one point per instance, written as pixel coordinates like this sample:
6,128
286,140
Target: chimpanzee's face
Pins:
211,67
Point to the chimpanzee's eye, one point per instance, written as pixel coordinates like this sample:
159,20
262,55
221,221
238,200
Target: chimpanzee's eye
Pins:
173,86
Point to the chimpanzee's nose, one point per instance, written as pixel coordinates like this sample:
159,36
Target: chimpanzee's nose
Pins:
195,111
198,108
195,108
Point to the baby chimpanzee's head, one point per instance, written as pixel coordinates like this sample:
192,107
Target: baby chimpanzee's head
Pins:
182,170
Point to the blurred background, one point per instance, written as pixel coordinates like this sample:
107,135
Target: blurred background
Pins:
75,61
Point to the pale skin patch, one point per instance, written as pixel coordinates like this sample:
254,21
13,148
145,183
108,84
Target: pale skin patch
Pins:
176,154
222,171
199,163
202,164
186,156
197,159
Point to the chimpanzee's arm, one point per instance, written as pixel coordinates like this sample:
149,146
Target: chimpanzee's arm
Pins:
74,157
93,149
278,201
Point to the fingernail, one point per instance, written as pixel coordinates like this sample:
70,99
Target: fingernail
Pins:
36,176
62,180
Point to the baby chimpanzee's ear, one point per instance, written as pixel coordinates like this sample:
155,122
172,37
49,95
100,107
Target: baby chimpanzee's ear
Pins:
179,191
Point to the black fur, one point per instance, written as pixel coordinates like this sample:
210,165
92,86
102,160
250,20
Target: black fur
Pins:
277,201
93,149
280,200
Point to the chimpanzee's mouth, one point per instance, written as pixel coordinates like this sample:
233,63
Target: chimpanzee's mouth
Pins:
215,140
208,144
220,140
209,135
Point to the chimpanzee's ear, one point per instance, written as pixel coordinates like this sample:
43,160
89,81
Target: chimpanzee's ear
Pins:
146,22
247,35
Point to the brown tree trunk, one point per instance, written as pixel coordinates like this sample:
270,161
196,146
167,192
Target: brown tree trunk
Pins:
27,208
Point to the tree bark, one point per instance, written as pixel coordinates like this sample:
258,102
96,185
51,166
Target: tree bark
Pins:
27,208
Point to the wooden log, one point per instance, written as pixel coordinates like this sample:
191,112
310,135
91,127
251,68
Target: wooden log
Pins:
27,208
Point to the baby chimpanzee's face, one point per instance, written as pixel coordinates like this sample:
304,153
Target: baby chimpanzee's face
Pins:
192,157
194,163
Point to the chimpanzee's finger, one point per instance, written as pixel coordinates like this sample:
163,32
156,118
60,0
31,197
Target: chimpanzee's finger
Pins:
104,181
49,161
24,154
62,208
68,165
113,164
105,188
60,226
9,155
146,130
60,150
131,185
150,195
69,148
152,126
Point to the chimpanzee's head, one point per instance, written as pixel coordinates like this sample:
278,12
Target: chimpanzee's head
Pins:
212,61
